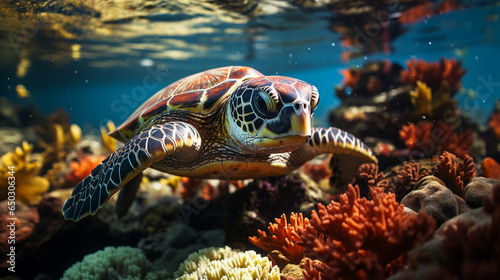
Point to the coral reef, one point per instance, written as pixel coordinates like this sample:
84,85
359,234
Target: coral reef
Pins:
433,73
113,263
455,174
223,263
359,237
283,237
367,177
24,169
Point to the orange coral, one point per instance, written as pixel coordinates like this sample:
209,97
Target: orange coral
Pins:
367,177
491,168
356,237
455,174
434,73
283,237
351,78
82,167
189,188
432,138
494,124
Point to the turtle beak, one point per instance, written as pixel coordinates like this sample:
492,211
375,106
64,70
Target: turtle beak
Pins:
301,119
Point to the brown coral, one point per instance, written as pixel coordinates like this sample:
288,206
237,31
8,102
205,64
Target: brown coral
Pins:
283,237
356,237
433,73
455,174
432,138
367,177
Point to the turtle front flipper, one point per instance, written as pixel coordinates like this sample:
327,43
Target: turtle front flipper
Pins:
347,151
142,151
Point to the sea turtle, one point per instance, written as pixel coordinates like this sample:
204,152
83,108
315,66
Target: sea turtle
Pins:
225,123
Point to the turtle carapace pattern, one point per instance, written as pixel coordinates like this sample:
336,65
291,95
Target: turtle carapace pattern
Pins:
225,123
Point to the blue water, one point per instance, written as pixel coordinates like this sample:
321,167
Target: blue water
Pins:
306,49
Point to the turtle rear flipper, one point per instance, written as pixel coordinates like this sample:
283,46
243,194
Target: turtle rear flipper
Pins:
142,151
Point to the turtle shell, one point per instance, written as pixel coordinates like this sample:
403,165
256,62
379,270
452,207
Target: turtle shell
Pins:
200,94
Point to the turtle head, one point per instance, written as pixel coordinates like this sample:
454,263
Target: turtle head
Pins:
272,113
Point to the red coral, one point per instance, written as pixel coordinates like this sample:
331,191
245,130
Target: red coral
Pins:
82,167
283,237
434,73
455,174
494,124
317,171
356,237
406,178
433,138
491,168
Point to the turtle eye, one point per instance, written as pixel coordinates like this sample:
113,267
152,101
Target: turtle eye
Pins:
265,104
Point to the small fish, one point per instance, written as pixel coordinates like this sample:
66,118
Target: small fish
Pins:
22,92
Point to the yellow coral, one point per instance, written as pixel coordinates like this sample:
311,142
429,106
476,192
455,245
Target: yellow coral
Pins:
56,151
421,98
225,263
107,141
29,187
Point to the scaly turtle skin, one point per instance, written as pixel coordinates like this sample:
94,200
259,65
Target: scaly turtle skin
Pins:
224,123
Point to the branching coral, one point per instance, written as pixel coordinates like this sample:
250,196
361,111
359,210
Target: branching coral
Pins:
494,124
432,138
359,237
283,237
455,174
82,167
406,178
433,73
367,177
491,168
21,166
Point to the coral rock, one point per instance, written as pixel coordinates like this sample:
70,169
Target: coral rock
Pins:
477,190
434,198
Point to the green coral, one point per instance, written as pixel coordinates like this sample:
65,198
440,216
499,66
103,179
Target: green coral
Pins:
225,263
114,263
